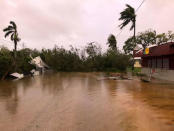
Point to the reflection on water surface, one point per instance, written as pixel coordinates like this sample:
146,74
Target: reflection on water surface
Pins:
79,102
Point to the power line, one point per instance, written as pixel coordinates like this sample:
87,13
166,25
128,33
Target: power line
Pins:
135,11
140,5
119,33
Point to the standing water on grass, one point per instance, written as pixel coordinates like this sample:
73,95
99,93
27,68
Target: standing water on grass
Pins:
80,102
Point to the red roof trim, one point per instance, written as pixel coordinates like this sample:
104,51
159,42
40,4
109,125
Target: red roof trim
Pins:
161,50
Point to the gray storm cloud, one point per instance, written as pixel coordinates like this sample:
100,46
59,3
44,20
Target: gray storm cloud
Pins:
49,22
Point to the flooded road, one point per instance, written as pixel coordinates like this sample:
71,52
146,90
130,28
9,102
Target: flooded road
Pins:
79,102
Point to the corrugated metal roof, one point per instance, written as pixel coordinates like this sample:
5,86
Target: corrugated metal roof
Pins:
137,48
138,53
161,50
38,62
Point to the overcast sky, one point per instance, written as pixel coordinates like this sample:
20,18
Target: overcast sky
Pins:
44,23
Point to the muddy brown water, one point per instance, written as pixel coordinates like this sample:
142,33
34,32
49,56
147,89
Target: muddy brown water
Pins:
80,102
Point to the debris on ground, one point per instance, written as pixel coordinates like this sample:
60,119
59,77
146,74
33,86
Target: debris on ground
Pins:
17,76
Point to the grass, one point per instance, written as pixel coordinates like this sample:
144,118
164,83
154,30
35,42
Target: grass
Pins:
135,71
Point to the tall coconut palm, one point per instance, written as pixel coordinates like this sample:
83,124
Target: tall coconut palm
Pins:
12,31
128,16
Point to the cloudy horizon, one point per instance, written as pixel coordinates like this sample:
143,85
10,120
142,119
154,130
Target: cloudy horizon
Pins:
43,24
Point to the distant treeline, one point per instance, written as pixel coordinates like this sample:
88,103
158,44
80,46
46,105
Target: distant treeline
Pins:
59,59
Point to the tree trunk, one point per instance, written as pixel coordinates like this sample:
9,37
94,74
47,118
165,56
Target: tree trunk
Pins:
116,47
15,54
135,31
134,36
15,48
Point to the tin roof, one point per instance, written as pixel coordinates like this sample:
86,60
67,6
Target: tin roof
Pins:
137,48
161,50
138,53
38,62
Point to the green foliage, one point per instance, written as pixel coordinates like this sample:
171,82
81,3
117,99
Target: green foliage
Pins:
118,60
146,38
128,16
5,60
135,71
22,61
112,42
60,59
93,50
161,38
129,45
170,36
12,30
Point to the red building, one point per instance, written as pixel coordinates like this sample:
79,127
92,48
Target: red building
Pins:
161,56
159,62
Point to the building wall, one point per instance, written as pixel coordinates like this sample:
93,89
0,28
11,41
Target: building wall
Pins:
159,62
137,64
162,74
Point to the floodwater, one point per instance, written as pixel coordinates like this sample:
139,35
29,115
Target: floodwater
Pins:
80,102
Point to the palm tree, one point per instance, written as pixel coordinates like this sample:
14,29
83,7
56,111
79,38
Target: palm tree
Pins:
112,42
12,30
128,16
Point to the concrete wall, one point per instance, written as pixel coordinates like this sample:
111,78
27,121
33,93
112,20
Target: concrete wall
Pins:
162,74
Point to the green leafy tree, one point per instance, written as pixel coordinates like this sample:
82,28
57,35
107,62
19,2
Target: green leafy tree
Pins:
129,45
161,38
93,50
5,61
112,42
146,38
12,31
170,36
128,16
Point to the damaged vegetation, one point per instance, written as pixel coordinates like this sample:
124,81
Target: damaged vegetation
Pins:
90,58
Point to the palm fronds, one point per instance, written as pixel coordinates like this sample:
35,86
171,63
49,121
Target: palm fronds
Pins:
8,33
13,24
127,16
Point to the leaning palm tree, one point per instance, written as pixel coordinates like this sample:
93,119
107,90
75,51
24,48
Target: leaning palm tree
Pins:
128,16
12,30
